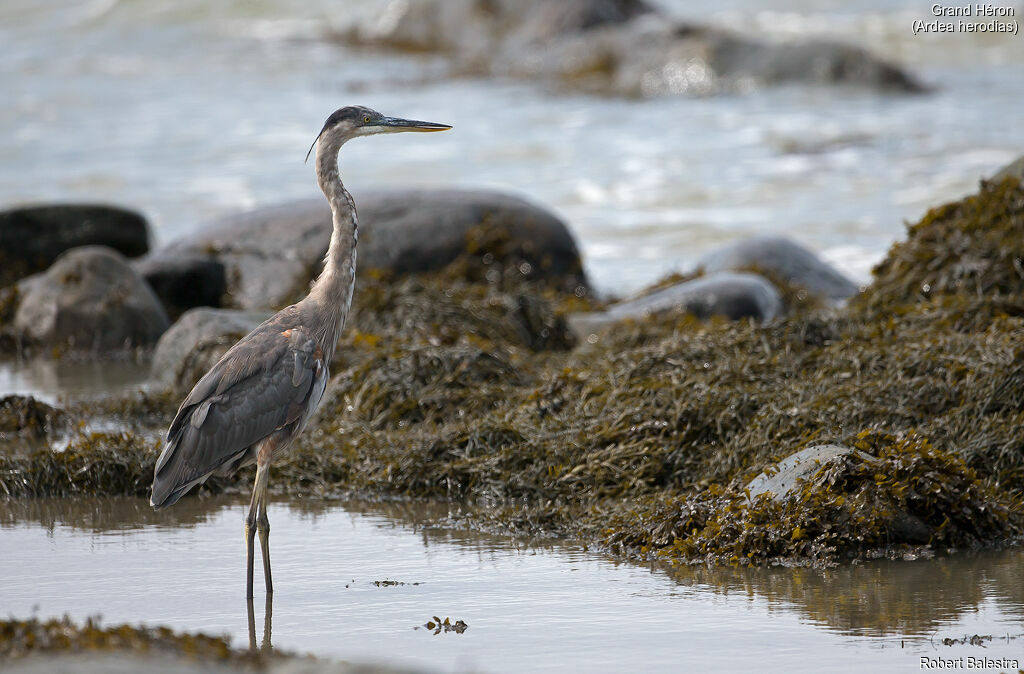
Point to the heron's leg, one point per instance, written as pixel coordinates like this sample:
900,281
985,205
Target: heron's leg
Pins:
263,526
250,536
258,516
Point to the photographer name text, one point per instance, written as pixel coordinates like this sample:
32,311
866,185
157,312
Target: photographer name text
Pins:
968,663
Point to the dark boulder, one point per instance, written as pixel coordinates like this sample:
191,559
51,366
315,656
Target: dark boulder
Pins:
732,295
812,61
415,231
32,237
272,254
784,257
196,342
89,300
185,281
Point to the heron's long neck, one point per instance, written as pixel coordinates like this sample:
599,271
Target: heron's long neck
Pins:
333,289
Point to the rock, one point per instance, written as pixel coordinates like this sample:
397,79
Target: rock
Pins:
474,28
546,20
415,231
800,468
90,299
196,342
727,294
812,61
619,47
184,282
271,254
1014,169
24,415
733,295
652,56
786,258
32,237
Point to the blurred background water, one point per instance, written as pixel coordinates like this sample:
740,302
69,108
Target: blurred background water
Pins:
188,110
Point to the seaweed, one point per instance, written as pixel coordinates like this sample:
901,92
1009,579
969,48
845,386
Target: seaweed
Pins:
898,492
21,638
90,463
971,248
452,389
24,415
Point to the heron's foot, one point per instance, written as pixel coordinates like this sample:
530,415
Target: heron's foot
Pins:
263,527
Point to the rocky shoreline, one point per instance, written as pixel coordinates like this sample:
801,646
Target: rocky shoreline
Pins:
626,48
644,428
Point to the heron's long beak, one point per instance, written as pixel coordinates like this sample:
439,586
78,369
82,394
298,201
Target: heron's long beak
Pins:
396,124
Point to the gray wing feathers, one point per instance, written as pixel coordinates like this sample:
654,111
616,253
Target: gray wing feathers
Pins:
236,405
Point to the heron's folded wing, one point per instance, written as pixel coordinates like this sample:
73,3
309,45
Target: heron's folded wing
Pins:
214,428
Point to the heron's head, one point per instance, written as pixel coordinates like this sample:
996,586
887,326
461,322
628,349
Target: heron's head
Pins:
356,120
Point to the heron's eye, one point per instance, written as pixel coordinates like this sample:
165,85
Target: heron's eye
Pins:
366,119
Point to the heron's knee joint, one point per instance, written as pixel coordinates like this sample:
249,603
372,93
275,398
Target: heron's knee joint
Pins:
263,524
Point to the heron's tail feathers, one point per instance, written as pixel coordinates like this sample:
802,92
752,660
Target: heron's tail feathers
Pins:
163,496
166,491
170,477
181,467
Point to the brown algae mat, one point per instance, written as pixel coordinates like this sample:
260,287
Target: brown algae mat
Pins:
62,645
467,385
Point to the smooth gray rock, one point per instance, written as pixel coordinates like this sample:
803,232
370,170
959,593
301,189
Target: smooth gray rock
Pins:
785,257
619,47
90,299
32,237
196,342
1014,169
732,295
800,467
272,254
184,282
269,254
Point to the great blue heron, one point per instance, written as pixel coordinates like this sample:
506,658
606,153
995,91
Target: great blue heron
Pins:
251,405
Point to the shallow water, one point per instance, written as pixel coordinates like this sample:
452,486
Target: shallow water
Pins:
550,607
189,110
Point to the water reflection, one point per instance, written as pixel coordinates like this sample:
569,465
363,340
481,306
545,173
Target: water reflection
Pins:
109,514
880,598
49,380
875,599
268,611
